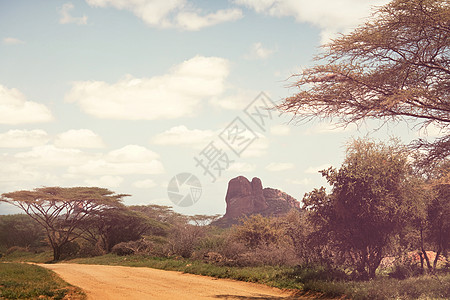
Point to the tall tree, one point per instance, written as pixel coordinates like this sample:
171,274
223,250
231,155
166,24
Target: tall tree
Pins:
61,211
111,226
367,204
394,67
438,218
20,230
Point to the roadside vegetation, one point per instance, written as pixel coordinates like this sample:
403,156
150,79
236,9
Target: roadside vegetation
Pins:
24,281
379,230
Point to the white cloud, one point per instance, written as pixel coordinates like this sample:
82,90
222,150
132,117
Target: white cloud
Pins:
171,13
304,181
144,184
257,148
277,167
315,170
176,94
181,135
330,16
238,101
49,165
14,172
14,109
432,130
280,130
193,21
131,154
241,167
23,138
131,159
106,181
80,138
12,41
258,51
66,18
51,156
326,127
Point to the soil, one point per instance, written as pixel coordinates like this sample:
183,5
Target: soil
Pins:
117,282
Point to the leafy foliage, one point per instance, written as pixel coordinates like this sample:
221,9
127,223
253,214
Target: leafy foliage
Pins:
395,66
367,204
117,225
61,211
23,281
20,230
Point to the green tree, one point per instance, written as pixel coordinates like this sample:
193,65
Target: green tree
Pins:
61,211
257,230
438,213
394,67
107,228
367,205
20,230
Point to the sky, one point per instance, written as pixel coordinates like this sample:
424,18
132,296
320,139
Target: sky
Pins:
127,94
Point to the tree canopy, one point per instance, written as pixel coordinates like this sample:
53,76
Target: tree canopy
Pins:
394,67
367,205
61,211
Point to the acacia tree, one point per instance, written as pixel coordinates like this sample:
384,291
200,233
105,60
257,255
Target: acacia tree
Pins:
61,211
394,67
111,226
438,213
368,204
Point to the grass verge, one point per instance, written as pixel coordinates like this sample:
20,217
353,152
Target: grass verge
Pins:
21,256
23,281
308,279
313,280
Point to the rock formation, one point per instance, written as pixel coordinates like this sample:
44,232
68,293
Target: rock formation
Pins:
244,197
247,198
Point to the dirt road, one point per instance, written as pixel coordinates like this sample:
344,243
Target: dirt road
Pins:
116,282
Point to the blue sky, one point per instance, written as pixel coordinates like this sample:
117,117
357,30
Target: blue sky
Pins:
125,94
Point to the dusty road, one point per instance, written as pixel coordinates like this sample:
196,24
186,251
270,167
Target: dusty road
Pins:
116,282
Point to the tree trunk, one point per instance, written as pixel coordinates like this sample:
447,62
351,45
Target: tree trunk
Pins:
374,262
438,253
56,252
421,261
424,252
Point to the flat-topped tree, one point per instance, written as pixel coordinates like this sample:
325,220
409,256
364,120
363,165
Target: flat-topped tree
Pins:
61,211
394,67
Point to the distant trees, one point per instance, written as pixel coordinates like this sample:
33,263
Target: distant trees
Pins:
437,225
62,211
20,230
367,204
257,230
394,67
112,226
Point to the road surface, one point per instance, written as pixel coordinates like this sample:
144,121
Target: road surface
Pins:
117,282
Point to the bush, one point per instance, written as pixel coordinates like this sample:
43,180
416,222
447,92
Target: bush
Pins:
403,271
271,255
184,238
15,249
134,247
310,272
70,250
89,250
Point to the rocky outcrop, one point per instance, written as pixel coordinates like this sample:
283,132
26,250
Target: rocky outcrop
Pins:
247,198
244,197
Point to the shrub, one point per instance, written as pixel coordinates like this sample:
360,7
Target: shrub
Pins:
16,248
70,250
134,247
310,272
87,249
272,255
